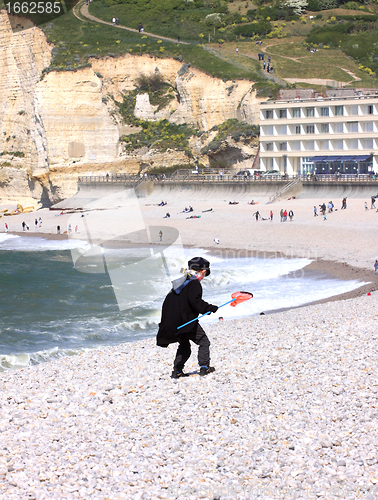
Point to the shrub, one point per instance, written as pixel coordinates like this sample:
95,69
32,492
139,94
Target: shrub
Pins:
234,128
256,28
152,82
314,5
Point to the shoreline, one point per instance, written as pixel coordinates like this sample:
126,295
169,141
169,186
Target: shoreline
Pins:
337,270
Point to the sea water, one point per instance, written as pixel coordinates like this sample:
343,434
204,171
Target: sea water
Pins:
50,309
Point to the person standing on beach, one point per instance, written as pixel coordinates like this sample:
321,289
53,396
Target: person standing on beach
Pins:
161,235
182,304
315,211
366,206
281,214
257,215
6,227
372,202
291,215
271,215
376,267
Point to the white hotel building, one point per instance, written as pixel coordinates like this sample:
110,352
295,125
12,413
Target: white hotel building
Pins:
302,131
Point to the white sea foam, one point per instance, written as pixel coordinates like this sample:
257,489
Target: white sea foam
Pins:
37,243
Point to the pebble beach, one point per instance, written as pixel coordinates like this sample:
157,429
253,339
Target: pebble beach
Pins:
290,412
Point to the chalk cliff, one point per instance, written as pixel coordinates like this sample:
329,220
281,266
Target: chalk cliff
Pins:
54,128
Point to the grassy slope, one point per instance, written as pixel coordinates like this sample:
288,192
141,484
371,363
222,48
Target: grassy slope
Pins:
82,39
75,41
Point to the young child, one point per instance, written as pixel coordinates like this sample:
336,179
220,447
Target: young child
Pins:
182,304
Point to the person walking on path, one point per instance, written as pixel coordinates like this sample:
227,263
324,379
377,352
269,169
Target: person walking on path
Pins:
291,215
237,50
376,267
113,21
182,304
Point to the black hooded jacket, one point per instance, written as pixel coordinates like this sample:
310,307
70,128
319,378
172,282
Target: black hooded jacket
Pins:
178,308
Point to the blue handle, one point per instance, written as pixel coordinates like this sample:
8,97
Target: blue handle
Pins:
199,317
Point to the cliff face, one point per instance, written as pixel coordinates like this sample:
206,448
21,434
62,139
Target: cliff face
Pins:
67,118
202,100
23,56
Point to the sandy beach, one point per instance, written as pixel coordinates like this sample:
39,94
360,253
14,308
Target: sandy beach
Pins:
290,411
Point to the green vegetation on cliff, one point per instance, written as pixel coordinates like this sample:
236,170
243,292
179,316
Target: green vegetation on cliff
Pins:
238,131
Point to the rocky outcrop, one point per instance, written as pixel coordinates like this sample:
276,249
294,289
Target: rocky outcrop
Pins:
207,101
76,121
201,99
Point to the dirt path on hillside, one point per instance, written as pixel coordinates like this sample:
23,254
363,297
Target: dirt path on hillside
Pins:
82,8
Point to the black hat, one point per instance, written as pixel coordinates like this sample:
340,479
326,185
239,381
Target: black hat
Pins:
198,264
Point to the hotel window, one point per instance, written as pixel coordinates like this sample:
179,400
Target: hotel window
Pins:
295,146
297,113
338,144
268,114
353,110
369,127
352,144
269,146
338,128
339,110
283,130
323,145
283,113
324,111
370,109
324,128
268,130
297,129
310,112
310,129
353,126
367,143
283,146
309,145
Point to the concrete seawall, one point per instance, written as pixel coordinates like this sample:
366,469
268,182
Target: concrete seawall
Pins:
257,189
224,190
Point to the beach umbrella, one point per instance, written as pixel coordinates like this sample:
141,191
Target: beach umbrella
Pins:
236,298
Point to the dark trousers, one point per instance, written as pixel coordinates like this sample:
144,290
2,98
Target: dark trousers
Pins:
199,337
